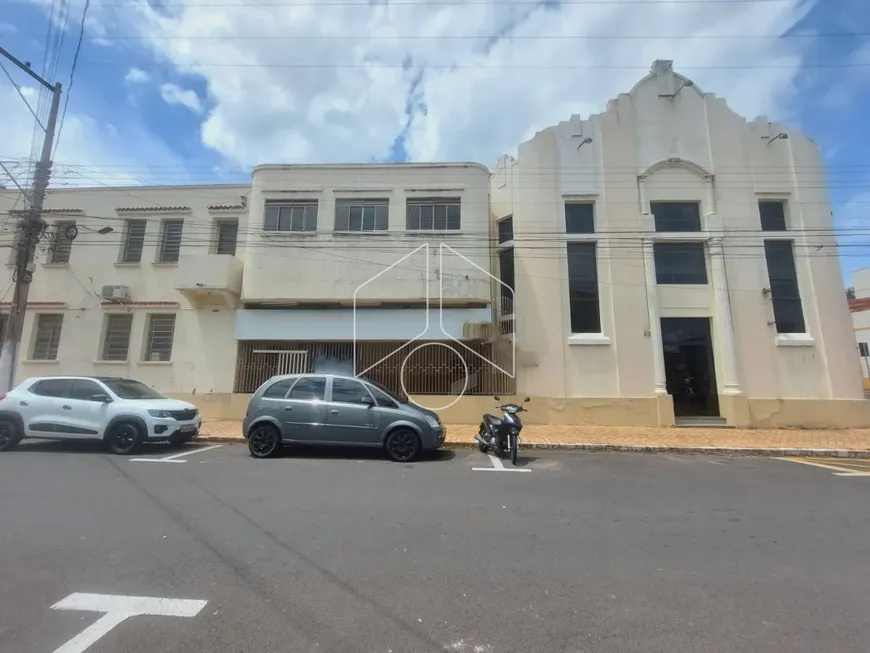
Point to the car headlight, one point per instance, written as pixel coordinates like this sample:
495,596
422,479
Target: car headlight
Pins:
433,421
159,413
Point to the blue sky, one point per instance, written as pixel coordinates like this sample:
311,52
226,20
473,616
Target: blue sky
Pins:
159,97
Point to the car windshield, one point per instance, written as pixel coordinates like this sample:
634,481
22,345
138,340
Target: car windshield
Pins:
392,395
129,389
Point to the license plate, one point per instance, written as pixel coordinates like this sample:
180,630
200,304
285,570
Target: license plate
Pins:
187,428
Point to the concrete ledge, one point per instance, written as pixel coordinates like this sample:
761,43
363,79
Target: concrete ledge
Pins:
632,448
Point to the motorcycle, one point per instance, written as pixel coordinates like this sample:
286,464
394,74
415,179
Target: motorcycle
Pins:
502,435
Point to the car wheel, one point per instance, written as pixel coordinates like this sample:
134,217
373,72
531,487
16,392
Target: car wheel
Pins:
403,446
125,438
9,436
264,441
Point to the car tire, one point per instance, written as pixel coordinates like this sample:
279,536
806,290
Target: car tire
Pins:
264,441
403,445
10,435
125,438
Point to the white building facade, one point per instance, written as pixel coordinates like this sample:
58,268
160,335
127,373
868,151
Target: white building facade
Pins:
648,265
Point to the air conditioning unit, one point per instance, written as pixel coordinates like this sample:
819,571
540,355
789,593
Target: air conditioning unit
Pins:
479,331
115,293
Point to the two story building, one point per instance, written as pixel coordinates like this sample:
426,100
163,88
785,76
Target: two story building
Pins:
650,265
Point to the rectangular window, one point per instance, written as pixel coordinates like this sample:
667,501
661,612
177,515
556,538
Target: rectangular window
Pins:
116,342
506,276
506,229
61,242
47,338
3,323
293,215
676,216
863,349
434,214
362,215
583,288
170,241
678,263
161,334
579,218
227,236
134,241
787,309
772,214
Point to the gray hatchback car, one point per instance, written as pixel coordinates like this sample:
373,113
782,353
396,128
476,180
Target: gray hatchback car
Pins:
337,410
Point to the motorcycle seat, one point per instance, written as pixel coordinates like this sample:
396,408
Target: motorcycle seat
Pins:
492,419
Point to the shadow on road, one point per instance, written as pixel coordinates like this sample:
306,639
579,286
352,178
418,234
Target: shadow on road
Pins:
94,447
356,453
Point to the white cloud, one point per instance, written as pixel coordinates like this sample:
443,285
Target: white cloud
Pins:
340,82
175,95
136,76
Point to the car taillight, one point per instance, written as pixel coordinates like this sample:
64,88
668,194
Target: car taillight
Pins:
2,396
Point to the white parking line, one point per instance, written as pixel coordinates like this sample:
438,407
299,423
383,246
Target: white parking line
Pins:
498,466
174,458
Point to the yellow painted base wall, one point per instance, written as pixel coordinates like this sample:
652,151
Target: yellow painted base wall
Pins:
643,411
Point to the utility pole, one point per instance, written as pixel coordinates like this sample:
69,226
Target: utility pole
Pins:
30,228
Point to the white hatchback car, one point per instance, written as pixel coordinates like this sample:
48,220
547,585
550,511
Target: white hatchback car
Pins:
124,413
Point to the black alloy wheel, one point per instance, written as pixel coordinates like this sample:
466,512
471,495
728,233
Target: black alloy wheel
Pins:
403,446
8,435
125,439
264,441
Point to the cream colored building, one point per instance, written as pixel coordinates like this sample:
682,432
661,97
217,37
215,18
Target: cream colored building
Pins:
860,308
685,235
660,253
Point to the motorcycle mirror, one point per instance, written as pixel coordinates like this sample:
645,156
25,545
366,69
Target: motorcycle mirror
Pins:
497,398
527,399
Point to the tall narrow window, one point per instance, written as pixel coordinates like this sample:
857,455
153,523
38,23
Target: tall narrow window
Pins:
3,321
47,338
863,350
160,336
227,236
506,276
579,218
772,213
676,216
116,342
506,229
61,242
583,288
170,241
784,291
134,241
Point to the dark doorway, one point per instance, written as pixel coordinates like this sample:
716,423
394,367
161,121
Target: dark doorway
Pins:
690,372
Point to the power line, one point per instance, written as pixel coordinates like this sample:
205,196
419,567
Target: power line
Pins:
72,71
438,3
21,95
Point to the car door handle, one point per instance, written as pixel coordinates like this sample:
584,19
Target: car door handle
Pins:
333,412
67,407
23,403
288,407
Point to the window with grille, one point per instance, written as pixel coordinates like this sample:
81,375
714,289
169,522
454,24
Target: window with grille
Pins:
863,349
161,334
116,342
61,243
227,236
299,215
47,339
434,214
362,215
170,241
134,241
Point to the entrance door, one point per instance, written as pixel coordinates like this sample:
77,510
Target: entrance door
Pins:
690,372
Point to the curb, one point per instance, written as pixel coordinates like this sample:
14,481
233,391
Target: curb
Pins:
634,448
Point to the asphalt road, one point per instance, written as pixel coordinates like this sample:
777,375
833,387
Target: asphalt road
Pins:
349,553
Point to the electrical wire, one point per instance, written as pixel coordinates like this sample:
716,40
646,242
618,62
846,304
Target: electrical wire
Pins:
72,71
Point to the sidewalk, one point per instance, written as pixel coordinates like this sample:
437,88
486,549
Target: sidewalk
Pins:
792,442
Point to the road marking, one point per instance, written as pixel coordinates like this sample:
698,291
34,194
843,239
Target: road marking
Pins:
498,466
174,457
843,469
117,609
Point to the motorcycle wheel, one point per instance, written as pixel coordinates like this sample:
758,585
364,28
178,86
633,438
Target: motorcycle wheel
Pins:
514,443
480,446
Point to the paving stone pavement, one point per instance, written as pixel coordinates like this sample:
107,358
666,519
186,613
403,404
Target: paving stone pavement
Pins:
677,437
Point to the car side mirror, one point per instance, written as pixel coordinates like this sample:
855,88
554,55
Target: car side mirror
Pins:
497,398
102,397
367,401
